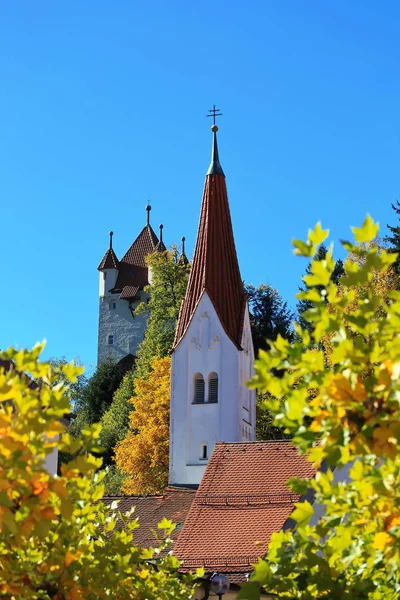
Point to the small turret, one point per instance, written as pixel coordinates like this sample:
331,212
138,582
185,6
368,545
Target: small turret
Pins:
109,269
161,246
183,259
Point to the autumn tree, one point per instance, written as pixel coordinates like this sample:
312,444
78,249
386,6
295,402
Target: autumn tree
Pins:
58,540
304,304
144,453
345,418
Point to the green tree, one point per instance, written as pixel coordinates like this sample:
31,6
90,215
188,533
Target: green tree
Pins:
115,421
58,540
265,428
97,395
269,315
115,424
303,305
168,287
394,238
343,416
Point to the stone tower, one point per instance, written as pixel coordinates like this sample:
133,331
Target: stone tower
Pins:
121,289
213,352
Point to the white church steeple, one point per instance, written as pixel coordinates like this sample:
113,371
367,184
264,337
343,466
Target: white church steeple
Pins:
213,352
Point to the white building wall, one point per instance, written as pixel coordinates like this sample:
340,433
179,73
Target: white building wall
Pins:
205,349
51,461
127,329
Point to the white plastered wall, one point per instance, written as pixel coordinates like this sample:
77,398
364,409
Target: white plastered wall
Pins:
206,348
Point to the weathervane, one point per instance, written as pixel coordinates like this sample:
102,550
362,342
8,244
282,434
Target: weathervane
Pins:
214,112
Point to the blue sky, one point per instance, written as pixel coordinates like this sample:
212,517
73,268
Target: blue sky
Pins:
103,105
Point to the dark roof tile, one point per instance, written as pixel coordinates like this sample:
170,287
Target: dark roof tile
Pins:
110,261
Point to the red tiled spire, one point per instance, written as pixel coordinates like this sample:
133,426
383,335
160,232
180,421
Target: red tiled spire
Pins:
110,260
215,267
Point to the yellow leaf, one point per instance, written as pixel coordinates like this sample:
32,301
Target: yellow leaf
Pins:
381,540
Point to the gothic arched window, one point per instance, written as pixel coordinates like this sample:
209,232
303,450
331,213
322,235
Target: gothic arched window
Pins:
213,387
199,388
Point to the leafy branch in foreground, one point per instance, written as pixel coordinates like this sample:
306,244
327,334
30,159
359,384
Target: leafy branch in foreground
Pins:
57,539
345,415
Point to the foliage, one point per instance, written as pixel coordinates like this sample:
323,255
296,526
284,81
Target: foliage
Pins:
168,287
265,428
304,304
347,416
115,421
269,315
143,454
113,481
394,238
76,389
57,539
97,395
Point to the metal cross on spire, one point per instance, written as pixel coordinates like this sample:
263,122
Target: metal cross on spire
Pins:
214,112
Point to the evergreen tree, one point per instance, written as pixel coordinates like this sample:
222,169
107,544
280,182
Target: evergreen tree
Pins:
303,305
115,421
394,238
97,395
269,315
265,428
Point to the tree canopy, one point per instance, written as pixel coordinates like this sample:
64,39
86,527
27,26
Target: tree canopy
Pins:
304,304
58,541
144,453
269,315
346,416
168,286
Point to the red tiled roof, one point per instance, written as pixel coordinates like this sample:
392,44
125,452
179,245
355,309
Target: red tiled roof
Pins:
110,261
133,272
242,499
173,504
129,291
215,267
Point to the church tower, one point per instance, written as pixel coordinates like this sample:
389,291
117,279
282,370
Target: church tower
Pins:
213,352
122,284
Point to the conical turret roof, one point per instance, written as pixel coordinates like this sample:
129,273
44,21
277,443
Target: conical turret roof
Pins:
110,260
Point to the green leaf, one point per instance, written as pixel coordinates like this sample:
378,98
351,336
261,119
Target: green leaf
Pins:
317,235
249,591
166,524
302,249
302,513
367,232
